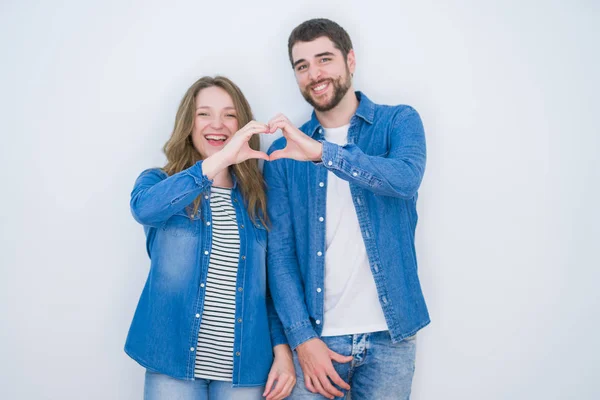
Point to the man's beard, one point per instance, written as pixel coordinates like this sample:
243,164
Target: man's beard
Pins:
340,88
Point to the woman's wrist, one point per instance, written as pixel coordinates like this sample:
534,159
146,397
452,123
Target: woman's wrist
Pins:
282,350
214,164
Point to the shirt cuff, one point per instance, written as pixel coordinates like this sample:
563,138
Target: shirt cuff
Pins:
195,171
278,337
300,334
330,157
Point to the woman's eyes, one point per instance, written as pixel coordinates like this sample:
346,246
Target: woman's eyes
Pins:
205,114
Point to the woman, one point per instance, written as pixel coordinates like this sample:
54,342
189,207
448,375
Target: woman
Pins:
205,327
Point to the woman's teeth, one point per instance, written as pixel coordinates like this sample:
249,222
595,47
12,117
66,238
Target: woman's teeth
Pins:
216,137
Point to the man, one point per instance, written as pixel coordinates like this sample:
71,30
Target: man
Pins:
342,204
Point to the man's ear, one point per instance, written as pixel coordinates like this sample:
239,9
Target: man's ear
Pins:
351,61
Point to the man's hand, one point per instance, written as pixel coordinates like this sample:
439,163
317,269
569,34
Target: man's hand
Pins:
282,372
315,359
299,146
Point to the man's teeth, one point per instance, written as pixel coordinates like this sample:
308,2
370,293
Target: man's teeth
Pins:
320,87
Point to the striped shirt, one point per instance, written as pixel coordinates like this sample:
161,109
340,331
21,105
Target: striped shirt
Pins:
214,352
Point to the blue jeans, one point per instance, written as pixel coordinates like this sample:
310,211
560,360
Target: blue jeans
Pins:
380,369
163,387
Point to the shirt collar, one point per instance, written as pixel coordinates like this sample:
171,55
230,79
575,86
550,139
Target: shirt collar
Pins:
365,111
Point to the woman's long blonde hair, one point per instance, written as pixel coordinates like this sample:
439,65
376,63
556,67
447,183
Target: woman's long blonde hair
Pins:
181,153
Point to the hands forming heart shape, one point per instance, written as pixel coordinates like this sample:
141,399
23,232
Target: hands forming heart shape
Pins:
299,146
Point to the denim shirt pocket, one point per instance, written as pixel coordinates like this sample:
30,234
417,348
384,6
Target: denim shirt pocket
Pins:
181,224
261,234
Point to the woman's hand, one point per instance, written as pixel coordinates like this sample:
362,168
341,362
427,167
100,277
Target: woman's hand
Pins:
237,150
282,374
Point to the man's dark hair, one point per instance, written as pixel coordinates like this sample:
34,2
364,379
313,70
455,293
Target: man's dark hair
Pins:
316,28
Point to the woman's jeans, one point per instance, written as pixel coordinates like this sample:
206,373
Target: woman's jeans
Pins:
163,387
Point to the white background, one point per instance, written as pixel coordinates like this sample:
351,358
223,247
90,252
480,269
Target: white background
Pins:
508,234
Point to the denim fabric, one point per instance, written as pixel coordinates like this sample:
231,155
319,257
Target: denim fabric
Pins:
163,387
380,369
383,162
164,330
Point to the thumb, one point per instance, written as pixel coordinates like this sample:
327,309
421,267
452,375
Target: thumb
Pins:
277,154
260,154
270,381
338,357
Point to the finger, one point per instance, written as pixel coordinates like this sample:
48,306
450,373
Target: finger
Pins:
277,154
287,129
282,381
255,124
276,393
264,127
273,126
278,124
253,130
329,388
309,385
319,387
333,375
270,381
339,357
276,117
252,125
280,117
259,154
289,387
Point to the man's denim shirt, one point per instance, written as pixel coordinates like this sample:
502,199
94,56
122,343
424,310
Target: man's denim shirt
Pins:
164,331
384,162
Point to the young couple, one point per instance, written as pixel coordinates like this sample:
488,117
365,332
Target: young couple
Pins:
302,284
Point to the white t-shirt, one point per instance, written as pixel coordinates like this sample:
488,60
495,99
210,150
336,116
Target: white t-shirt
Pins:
351,300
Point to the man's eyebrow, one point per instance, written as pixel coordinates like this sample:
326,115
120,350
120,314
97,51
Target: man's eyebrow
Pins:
300,61
327,53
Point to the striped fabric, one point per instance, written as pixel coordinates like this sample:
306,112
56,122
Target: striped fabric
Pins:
214,352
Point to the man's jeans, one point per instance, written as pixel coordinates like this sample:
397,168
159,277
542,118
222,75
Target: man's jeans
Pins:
380,369
163,387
